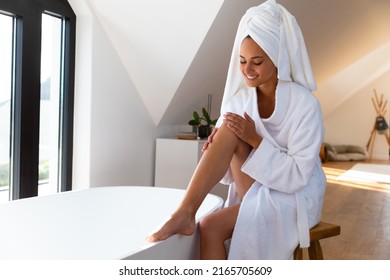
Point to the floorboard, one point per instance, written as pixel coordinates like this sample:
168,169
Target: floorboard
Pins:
362,211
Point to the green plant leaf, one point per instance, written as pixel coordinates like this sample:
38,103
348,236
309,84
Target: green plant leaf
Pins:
196,115
206,116
193,122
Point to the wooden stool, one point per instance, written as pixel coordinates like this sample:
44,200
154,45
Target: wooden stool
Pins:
320,231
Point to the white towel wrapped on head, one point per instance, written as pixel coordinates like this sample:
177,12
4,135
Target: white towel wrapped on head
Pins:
271,26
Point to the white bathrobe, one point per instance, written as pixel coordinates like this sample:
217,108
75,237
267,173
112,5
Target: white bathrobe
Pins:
287,196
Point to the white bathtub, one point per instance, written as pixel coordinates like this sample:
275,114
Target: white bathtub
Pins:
99,223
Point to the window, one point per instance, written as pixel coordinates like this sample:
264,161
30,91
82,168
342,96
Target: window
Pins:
6,31
50,104
36,93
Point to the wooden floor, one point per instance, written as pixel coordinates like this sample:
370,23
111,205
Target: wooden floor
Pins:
362,211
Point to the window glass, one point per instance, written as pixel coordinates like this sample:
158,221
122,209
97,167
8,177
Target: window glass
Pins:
6,32
50,104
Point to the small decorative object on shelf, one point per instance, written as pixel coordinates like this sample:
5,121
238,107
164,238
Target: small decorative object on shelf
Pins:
187,135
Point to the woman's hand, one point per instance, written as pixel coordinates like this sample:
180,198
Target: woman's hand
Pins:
244,128
209,139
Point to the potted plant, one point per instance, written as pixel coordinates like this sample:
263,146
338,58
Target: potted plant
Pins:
202,123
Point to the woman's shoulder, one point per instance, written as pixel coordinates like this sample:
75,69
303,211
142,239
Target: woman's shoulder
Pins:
241,95
301,99
301,93
239,100
299,89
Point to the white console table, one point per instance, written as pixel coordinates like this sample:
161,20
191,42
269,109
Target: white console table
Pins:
176,160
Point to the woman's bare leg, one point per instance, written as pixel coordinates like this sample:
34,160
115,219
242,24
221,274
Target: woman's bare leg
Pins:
214,229
218,227
242,181
211,168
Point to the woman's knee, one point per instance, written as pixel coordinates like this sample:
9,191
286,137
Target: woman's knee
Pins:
226,135
242,151
207,225
220,224
212,227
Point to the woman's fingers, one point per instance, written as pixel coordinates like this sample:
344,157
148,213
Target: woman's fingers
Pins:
209,139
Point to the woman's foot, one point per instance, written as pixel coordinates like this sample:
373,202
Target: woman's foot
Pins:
178,223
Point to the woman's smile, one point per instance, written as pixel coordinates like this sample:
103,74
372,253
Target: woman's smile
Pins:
251,77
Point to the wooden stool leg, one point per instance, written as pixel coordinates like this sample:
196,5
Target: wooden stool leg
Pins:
315,251
298,254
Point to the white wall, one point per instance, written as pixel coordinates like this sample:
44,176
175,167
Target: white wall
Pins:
122,131
352,122
345,99
113,133
82,99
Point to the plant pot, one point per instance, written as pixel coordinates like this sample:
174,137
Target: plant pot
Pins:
204,131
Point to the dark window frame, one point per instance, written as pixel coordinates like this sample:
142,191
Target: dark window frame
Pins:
26,96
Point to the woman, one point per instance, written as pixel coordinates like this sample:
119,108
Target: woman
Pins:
266,148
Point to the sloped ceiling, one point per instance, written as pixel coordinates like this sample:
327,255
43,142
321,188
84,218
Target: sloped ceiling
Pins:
176,51
348,43
338,33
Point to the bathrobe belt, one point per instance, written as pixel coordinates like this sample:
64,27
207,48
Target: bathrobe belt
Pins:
302,220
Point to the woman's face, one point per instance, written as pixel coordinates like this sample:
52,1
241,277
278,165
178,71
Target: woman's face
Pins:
257,68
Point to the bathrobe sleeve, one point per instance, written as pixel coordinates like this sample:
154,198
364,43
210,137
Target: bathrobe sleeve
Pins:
287,166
